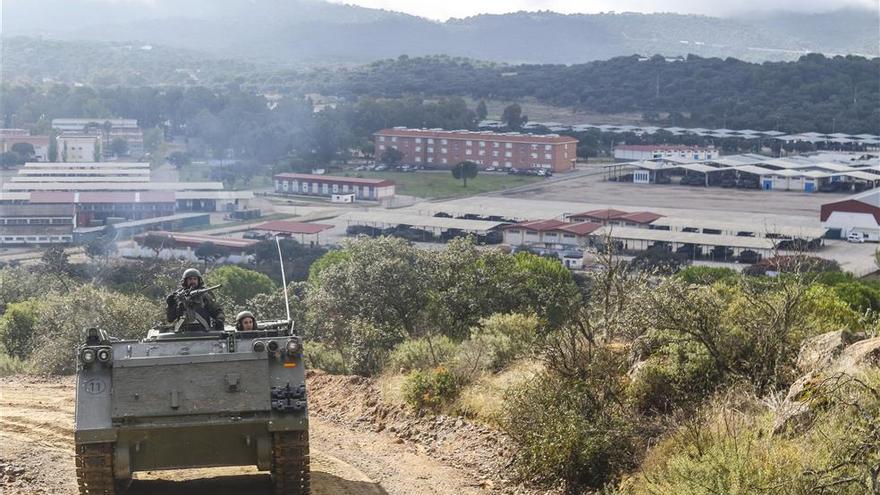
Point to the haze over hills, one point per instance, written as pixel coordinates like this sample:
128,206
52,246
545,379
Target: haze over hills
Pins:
310,31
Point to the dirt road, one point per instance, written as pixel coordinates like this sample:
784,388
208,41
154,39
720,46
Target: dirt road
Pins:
36,456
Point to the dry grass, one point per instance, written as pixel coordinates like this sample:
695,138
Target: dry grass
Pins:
483,399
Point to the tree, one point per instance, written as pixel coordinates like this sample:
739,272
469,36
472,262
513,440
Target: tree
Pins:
241,284
56,263
391,156
513,116
17,327
179,159
465,170
100,248
482,111
24,150
384,282
10,159
155,242
207,251
659,260
119,146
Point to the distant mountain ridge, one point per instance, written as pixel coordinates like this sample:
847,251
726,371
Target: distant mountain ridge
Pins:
314,31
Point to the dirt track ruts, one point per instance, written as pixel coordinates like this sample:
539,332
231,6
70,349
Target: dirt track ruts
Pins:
36,435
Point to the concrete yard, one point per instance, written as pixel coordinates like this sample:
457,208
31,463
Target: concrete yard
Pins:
594,190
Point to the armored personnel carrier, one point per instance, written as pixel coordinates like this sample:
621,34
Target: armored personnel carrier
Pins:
190,399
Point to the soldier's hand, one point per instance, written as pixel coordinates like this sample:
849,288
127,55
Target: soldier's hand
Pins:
171,299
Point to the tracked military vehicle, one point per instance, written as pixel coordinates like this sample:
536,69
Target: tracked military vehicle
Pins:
184,399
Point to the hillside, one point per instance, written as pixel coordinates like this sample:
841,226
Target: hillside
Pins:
311,31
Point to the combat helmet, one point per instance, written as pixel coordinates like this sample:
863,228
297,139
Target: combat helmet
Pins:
191,272
241,316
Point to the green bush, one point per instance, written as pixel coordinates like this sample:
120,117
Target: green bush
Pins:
320,356
729,448
370,346
18,327
430,389
417,354
64,318
240,284
678,375
494,344
705,275
507,336
566,431
11,365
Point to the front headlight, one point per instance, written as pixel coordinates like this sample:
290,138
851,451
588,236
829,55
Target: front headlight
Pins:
88,356
293,346
104,355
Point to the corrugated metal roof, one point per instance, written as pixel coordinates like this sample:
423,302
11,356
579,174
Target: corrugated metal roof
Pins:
113,186
36,210
633,233
102,197
603,214
391,219
70,165
291,227
332,179
759,229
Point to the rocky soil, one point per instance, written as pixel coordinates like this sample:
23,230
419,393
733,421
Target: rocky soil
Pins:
360,446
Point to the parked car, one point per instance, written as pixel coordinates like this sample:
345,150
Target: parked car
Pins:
381,168
856,237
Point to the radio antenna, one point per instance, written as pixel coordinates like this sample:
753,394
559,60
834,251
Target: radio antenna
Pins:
283,278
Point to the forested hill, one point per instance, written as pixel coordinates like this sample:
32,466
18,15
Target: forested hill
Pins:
814,93
315,31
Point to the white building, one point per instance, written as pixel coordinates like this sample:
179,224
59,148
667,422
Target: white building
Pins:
79,147
859,213
661,151
108,130
327,186
550,234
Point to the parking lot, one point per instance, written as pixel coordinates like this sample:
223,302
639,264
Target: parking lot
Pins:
594,190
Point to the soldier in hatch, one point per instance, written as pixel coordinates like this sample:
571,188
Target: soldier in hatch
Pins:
245,321
193,312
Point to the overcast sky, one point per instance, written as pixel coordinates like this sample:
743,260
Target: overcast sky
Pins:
444,9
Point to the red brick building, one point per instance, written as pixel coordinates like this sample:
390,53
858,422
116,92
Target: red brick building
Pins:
438,148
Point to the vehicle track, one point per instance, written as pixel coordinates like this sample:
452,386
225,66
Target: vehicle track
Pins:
36,437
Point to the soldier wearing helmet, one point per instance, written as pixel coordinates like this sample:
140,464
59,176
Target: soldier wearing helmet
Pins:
245,321
194,313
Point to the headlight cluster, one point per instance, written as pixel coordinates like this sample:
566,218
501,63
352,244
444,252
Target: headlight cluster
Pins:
90,355
291,346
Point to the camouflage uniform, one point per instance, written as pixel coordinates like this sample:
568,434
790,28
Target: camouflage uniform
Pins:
202,314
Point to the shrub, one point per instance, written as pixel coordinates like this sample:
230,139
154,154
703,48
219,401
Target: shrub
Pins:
240,284
430,389
565,430
64,318
11,365
320,356
18,327
370,346
705,275
494,344
729,448
675,376
417,354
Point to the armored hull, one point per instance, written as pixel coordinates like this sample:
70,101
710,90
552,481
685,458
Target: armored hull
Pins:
192,399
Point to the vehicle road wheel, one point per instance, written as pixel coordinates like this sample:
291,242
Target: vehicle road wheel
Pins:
290,462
